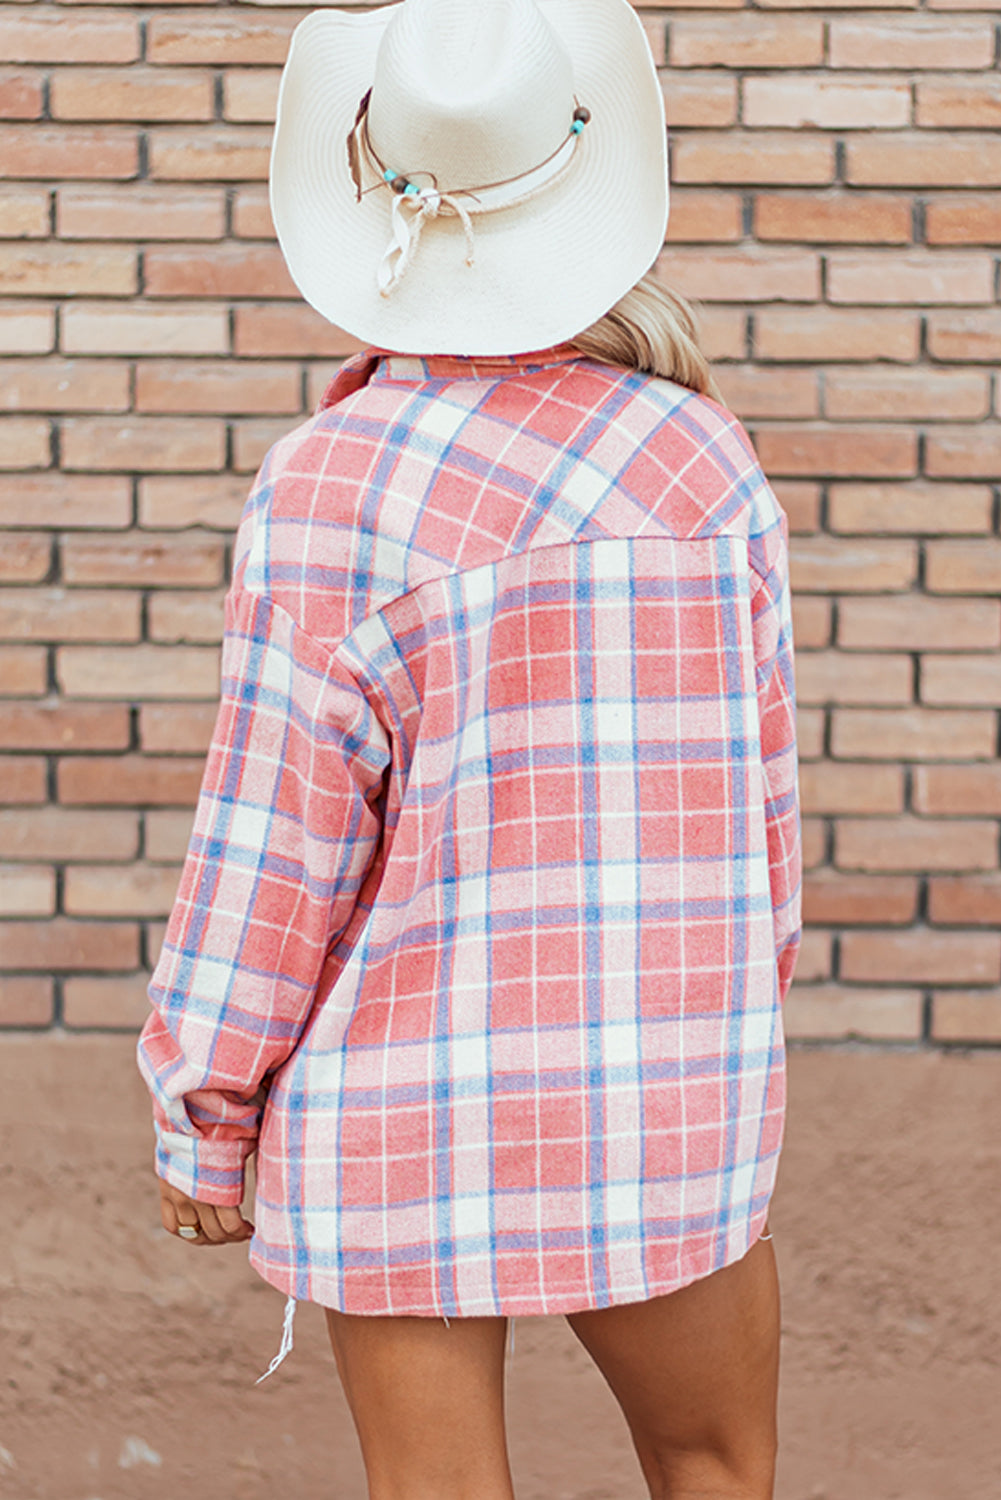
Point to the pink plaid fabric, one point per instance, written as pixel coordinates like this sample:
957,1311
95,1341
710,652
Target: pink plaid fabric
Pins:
493,891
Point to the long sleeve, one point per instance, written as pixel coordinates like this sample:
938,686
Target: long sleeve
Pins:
773,651
286,828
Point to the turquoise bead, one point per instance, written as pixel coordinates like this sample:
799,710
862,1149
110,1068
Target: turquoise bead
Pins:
389,174
576,127
411,190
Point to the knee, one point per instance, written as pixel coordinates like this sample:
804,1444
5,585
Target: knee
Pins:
711,1470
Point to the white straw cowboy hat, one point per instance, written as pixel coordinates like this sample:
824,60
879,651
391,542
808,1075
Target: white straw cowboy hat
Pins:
511,158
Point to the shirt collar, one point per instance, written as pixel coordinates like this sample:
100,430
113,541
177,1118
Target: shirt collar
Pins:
382,364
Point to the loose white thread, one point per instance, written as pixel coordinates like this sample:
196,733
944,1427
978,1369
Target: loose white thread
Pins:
285,1348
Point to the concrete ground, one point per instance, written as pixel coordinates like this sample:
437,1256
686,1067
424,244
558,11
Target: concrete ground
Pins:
127,1359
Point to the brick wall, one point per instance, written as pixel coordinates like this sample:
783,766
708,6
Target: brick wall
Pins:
837,213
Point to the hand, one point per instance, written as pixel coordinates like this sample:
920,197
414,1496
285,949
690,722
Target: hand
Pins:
216,1224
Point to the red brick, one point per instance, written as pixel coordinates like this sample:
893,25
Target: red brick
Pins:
810,732
225,37
58,614
116,1001
177,728
916,276
252,440
24,443
921,956
837,451
752,392
827,788
656,36
132,94
917,395
958,789
230,153
140,212
814,961
20,95
61,944
250,94
825,564
822,333
191,618
966,1016
964,567
750,274
168,835
965,900
253,271
748,40
23,559
215,501
911,509
265,329
62,500
966,336
832,103
718,156
22,671
65,385
965,219
139,672
964,452
215,386
63,726
27,890
26,328
700,217
814,842
52,270
24,212
68,151
860,900
62,833
142,560
801,503
25,1000
833,218
911,42
924,160
830,1012
959,102
811,621
723,332
840,677
146,444
918,844
156,328
155,934
134,890
252,214
130,780
23,780
45,34
917,624
700,99
961,680
913,734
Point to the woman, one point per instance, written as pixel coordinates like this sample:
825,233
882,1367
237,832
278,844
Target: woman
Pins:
492,896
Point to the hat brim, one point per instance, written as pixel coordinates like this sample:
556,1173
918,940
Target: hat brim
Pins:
544,270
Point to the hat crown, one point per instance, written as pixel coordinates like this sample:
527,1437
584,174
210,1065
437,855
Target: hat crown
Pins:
473,91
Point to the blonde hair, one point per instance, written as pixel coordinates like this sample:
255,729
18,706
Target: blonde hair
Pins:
654,330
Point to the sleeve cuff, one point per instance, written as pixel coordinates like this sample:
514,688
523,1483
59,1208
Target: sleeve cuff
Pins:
207,1170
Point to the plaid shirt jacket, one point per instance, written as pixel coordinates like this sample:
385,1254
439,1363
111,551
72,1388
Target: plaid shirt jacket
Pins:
493,891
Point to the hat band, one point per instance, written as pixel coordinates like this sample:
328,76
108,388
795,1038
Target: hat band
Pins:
414,205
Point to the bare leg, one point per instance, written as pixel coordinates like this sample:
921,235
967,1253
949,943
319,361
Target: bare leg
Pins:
696,1375
428,1403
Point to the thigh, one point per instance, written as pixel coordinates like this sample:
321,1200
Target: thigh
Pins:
428,1402
696,1375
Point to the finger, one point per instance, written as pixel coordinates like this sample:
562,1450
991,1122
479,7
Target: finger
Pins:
210,1226
168,1215
233,1224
